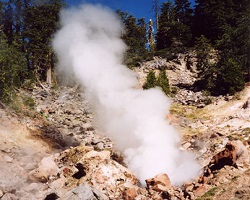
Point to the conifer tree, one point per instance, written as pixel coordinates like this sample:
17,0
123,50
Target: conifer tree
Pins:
8,21
183,11
162,81
230,78
207,70
151,80
41,21
226,25
166,21
134,37
12,67
174,24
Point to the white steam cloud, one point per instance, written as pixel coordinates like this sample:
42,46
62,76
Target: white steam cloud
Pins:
89,46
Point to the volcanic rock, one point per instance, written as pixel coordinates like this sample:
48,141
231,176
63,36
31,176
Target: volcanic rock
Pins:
246,105
46,169
201,190
242,154
130,193
160,183
8,158
219,133
9,196
83,192
95,168
234,154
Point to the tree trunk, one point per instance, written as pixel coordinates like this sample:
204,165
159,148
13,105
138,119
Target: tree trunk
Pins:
49,76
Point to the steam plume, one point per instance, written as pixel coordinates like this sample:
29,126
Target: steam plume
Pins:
89,46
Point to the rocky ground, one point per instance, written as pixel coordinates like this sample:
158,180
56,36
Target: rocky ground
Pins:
51,148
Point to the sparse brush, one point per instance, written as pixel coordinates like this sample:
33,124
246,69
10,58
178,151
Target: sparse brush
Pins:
208,195
29,102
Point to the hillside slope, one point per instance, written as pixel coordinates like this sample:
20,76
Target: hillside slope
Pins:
54,150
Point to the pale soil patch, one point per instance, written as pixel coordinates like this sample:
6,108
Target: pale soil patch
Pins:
227,108
19,153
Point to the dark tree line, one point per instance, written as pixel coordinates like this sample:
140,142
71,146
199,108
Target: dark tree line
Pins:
218,30
26,28
134,36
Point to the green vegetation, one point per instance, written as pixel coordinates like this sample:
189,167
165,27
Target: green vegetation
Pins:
26,30
242,135
223,60
13,70
135,38
150,80
191,113
29,102
209,195
161,81
217,30
174,25
23,104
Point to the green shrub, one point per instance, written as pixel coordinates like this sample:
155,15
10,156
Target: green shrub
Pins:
29,102
209,194
207,101
174,90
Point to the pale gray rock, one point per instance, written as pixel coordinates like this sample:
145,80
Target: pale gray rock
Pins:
1,193
46,168
83,192
8,159
9,196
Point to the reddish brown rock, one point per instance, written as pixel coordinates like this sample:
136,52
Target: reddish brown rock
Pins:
234,154
223,158
130,193
201,190
242,155
159,183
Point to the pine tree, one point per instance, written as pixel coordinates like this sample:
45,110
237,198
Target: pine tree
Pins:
174,24
242,36
183,11
156,12
212,17
226,25
207,70
12,67
8,21
134,37
230,78
162,81
151,80
166,21
41,21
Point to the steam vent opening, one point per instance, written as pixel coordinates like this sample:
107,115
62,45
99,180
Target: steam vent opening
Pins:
52,196
81,173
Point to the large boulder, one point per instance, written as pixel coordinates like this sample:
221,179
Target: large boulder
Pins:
83,192
160,183
45,170
235,154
